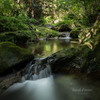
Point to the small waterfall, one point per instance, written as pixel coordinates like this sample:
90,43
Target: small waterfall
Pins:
67,35
37,69
64,35
38,83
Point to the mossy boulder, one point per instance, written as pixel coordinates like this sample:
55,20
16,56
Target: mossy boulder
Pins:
75,33
11,55
62,27
78,59
64,60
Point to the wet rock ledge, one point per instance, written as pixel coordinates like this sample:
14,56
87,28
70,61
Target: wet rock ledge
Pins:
77,60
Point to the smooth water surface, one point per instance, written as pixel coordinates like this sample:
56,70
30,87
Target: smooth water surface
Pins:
59,88
45,48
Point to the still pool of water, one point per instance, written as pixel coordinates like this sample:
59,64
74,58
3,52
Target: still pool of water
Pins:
47,47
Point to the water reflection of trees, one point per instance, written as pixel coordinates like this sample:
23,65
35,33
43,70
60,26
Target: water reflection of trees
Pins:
46,48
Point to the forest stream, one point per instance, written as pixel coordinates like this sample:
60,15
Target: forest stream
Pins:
49,49
40,84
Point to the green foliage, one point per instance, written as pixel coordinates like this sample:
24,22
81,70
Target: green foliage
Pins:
7,7
22,36
82,14
16,37
44,32
11,24
18,15
15,24
47,20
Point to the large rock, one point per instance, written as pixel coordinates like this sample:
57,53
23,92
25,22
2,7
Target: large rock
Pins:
62,28
64,60
79,59
13,56
75,33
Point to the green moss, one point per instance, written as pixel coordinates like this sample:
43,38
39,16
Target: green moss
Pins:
11,54
19,37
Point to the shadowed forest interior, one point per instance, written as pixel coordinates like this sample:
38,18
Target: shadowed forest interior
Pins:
49,50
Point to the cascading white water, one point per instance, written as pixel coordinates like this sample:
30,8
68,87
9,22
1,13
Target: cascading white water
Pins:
37,70
38,84
42,89
67,35
67,38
